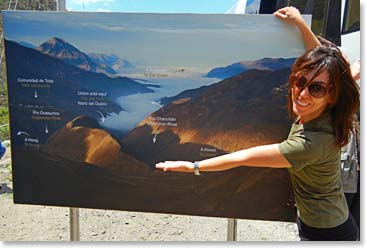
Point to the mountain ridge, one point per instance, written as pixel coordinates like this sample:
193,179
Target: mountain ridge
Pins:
119,65
82,139
63,50
271,64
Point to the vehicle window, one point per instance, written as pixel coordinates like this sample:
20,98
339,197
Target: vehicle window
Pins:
326,19
351,20
318,9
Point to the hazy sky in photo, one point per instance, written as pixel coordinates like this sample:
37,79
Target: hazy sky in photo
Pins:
161,39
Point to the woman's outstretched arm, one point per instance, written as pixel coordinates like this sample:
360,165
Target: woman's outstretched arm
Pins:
259,156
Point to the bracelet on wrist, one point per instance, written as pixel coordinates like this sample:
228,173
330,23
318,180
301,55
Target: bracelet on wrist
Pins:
196,168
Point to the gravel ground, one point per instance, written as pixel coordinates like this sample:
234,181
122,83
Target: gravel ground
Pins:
43,223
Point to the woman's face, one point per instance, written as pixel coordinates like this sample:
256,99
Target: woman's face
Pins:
311,101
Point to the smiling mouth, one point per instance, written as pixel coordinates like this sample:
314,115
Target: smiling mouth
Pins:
300,103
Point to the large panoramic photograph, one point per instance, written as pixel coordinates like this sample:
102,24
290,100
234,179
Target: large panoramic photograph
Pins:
96,99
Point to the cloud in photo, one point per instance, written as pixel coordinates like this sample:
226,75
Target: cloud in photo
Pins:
136,108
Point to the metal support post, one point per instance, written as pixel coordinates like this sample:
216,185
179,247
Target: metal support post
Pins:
232,230
74,224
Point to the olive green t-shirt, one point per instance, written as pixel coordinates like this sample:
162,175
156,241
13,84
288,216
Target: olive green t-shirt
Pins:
315,173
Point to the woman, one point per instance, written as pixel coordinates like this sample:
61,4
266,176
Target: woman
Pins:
350,171
323,98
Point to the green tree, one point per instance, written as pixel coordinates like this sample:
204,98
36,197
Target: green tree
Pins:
4,119
29,4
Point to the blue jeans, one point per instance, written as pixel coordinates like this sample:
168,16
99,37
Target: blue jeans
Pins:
2,149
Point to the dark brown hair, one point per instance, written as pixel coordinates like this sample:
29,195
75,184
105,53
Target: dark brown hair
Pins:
344,90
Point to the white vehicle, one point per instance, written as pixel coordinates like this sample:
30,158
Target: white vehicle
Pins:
350,29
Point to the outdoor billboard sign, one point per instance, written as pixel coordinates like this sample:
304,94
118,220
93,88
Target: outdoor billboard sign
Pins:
97,99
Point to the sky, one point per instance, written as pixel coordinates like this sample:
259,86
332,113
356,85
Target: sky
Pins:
155,6
161,39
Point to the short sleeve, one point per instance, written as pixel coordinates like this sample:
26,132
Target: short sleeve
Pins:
302,149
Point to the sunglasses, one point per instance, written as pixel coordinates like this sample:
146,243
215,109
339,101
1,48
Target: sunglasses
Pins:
316,89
